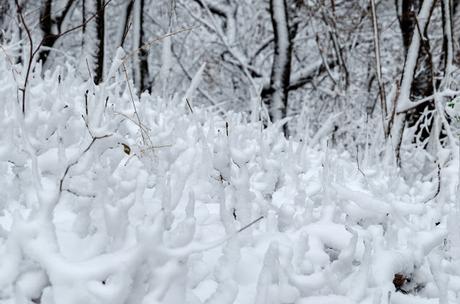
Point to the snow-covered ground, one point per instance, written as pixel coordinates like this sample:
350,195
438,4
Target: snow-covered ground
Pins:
108,199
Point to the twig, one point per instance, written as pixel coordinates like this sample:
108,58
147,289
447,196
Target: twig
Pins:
326,65
89,70
250,224
189,106
86,21
31,56
146,45
190,77
193,247
133,103
438,189
86,103
79,194
357,161
69,166
140,125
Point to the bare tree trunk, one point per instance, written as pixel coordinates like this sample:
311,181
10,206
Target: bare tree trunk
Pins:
408,76
140,66
126,22
143,64
281,68
47,24
407,22
100,30
421,84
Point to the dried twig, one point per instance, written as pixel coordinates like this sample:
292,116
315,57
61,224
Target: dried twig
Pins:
189,106
438,189
86,21
144,134
250,224
31,56
69,166
357,161
147,45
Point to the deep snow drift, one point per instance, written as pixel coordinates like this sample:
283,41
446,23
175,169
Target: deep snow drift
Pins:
106,200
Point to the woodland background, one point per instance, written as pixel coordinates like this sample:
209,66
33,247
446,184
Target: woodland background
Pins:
308,61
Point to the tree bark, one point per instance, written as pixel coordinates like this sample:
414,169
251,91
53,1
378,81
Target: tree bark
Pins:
407,80
447,45
100,30
143,54
126,22
47,23
281,68
422,76
83,21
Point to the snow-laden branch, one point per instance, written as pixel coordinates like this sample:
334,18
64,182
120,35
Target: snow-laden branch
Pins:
410,64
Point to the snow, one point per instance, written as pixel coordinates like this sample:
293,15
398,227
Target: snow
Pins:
326,300
85,221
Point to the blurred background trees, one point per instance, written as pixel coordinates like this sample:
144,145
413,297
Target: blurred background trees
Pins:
311,64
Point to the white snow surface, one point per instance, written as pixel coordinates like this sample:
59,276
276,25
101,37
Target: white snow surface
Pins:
85,220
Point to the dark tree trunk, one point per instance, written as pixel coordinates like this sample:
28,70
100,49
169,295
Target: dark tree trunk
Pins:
407,21
126,22
100,29
281,68
143,64
47,22
83,21
422,85
447,36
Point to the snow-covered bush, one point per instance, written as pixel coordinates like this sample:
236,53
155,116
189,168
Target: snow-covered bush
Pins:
110,199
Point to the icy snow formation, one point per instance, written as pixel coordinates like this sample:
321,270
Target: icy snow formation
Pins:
103,205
